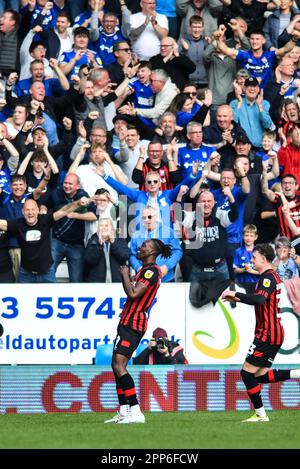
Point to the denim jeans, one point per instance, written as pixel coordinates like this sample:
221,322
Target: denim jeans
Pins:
12,4
220,272
27,277
74,257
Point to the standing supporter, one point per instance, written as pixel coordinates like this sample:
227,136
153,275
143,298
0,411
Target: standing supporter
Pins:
240,194
37,51
40,138
42,166
84,17
207,241
91,174
164,91
59,39
260,63
178,66
251,112
238,85
128,155
278,21
252,12
245,275
52,109
283,78
288,197
103,39
118,68
143,96
201,8
283,263
13,29
187,109
68,232
288,119
70,62
106,207
153,229
146,29
160,200
168,172
289,156
33,233
194,151
193,46
223,134
104,254
11,209
45,13
53,86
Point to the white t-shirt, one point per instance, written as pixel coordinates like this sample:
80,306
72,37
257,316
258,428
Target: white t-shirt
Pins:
147,44
91,181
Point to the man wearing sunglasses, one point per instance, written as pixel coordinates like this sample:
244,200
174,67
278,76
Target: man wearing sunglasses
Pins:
151,228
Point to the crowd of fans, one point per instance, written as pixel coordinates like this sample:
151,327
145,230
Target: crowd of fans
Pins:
124,120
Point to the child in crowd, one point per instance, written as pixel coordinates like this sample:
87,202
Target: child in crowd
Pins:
268,155
193,46
245,275
285,265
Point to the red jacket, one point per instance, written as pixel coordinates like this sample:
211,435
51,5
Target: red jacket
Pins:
289,160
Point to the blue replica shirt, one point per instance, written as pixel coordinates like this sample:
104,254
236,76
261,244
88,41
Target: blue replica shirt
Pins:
49,20
84,60
292,88
143,96
242,257
5,180
259,67
188,155
52,87
80,19
183,118
104,46
235,229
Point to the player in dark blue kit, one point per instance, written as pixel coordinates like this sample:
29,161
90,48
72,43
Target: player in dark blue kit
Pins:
133,325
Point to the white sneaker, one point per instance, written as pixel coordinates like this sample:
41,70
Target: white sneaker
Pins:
139,418
116,418
257,418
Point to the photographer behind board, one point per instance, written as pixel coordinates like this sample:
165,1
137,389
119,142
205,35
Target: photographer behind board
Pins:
161,351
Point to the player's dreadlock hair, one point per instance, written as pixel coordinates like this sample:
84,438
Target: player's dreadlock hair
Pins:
162,248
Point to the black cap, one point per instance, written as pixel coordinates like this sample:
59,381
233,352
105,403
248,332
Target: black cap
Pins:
123,117
242,139
251,82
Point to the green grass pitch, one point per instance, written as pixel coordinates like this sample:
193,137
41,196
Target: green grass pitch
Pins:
169,430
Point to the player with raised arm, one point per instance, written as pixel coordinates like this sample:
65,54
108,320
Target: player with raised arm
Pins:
133,325
269,333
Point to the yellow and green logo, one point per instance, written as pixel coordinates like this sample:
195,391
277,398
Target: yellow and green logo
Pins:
234,339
